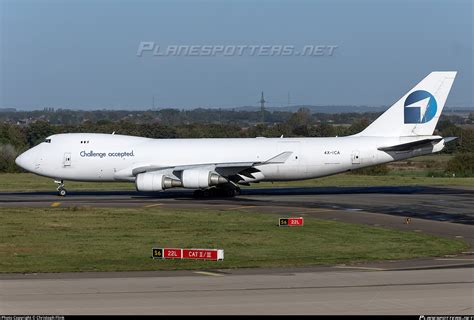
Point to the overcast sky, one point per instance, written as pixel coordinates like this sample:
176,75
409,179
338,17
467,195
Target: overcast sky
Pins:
83,54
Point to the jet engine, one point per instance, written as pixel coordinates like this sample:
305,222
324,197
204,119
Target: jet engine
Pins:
154,181
199,178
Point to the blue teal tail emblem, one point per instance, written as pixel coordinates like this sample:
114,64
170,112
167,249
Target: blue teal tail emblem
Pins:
420,107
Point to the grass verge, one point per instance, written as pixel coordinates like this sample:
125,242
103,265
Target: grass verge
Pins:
106,239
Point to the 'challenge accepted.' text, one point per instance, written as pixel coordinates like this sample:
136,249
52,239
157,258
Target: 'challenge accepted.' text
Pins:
104,154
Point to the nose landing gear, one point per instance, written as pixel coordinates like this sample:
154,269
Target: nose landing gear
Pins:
61,190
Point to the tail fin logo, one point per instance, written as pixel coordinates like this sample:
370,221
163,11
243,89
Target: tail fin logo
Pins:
420,107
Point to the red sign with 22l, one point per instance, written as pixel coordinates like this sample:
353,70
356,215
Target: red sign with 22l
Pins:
295,221
172,253
200,254
291,222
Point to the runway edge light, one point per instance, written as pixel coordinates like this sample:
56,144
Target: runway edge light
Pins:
291,222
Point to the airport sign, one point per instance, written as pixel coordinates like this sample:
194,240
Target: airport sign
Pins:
291,222
195,254
157,253
203,254
171,253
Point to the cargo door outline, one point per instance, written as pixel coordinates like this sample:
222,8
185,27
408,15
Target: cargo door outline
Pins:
355,157
67,159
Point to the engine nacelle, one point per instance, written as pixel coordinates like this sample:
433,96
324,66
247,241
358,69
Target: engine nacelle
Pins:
153,181
198,178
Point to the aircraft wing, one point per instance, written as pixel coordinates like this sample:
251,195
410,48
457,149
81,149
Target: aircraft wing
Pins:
416,144
224,169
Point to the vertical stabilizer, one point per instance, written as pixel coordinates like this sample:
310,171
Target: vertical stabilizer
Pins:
418,111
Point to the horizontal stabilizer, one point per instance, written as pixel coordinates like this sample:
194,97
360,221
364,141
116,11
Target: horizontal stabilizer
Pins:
410,145
449,139
416,144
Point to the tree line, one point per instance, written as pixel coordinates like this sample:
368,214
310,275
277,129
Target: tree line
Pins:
199,115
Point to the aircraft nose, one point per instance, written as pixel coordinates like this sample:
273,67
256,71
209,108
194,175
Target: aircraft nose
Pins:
25,160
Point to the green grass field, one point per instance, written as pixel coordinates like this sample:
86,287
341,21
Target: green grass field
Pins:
106,239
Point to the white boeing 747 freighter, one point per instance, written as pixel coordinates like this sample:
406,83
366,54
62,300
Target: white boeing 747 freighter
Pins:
218,166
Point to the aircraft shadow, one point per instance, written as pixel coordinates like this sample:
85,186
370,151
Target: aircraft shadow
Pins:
276,191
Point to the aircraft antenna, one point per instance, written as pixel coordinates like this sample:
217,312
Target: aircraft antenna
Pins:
262,108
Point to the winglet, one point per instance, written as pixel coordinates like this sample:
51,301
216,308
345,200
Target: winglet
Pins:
281,158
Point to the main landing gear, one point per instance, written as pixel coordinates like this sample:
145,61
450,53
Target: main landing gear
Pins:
220,191
61,190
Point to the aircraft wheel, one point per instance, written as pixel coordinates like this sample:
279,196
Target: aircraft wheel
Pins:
230,193
62,192
198,194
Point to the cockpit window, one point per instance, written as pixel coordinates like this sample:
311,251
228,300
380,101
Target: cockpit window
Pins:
47,140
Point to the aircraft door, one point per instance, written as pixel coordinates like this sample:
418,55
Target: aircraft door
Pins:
355,156
67,159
